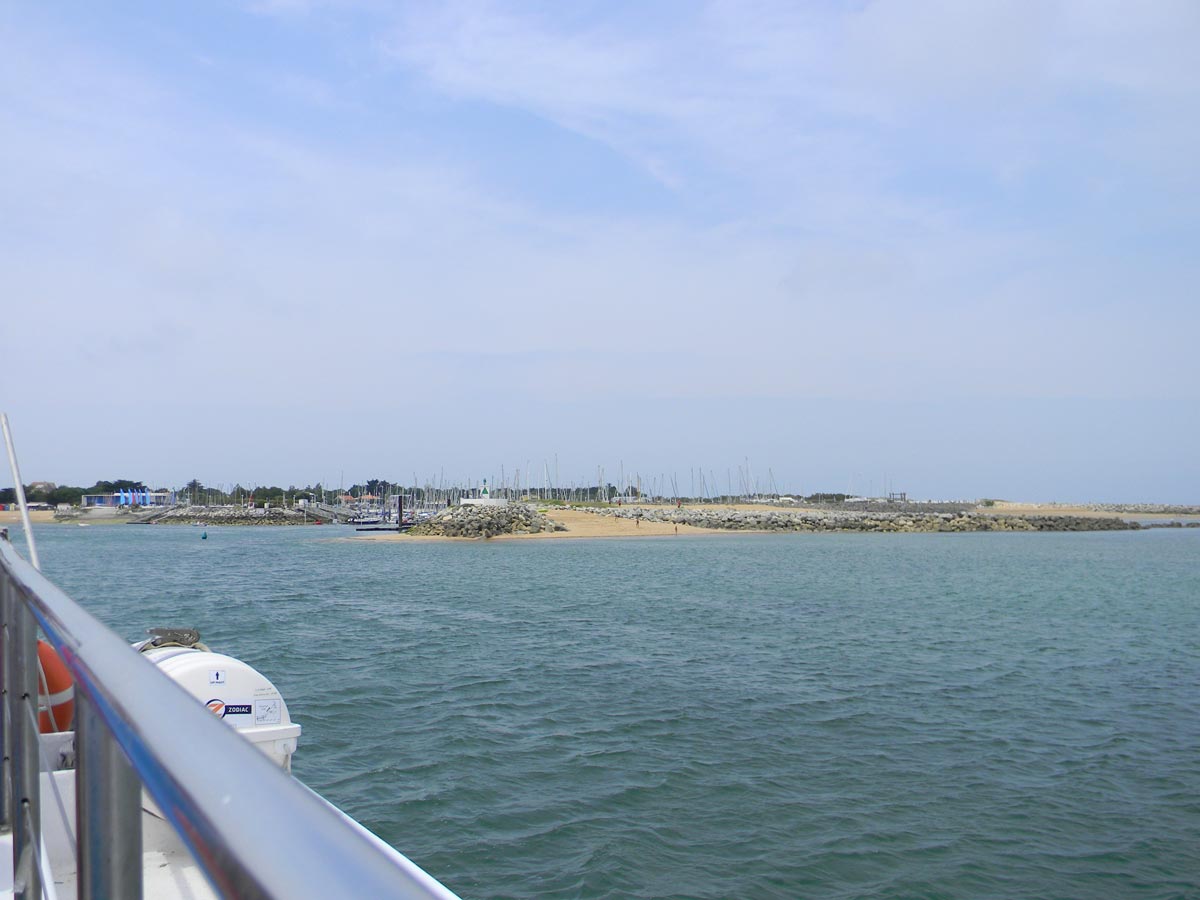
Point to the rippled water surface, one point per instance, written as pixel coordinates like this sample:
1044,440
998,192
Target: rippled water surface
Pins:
979,715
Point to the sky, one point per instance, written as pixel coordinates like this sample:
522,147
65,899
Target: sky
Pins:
939,247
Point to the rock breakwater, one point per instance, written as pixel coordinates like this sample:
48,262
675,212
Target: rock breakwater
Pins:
486,522
223,515
1135,509
828,520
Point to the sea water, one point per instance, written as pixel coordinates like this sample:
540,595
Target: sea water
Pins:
925,715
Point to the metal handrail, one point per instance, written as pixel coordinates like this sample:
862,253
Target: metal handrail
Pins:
255,831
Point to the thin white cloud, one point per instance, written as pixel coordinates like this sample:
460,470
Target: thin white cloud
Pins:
801,98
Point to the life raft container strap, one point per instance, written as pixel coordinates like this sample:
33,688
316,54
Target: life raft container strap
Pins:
173,637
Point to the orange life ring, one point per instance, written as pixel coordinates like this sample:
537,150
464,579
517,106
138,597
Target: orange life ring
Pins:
56,692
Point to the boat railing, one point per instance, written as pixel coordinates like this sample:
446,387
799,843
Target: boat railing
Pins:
252,829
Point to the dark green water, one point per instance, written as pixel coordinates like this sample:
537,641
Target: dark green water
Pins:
980,715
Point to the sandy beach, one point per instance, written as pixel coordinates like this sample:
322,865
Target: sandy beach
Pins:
13,516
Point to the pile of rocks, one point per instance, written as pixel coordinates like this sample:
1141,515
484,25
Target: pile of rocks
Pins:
224,515
486,522
886,506
745,520
1145,509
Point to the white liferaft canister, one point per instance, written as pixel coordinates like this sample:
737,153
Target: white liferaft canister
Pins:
237,694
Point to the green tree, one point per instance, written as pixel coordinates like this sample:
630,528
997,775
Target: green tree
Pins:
67,494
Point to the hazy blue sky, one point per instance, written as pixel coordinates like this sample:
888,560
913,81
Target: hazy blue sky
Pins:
956,243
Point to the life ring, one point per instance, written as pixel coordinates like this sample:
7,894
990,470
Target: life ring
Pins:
56,691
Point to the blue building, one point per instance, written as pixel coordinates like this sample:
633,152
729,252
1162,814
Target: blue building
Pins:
130,498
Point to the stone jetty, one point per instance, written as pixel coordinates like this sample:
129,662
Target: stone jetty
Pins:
830,520
222,515
486,522
1142,509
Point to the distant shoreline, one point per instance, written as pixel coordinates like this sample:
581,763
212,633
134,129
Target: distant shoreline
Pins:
624,522
655,521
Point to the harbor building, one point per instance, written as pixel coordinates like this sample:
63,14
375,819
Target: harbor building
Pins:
129,498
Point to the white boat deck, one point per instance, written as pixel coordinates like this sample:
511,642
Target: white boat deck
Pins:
168,870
